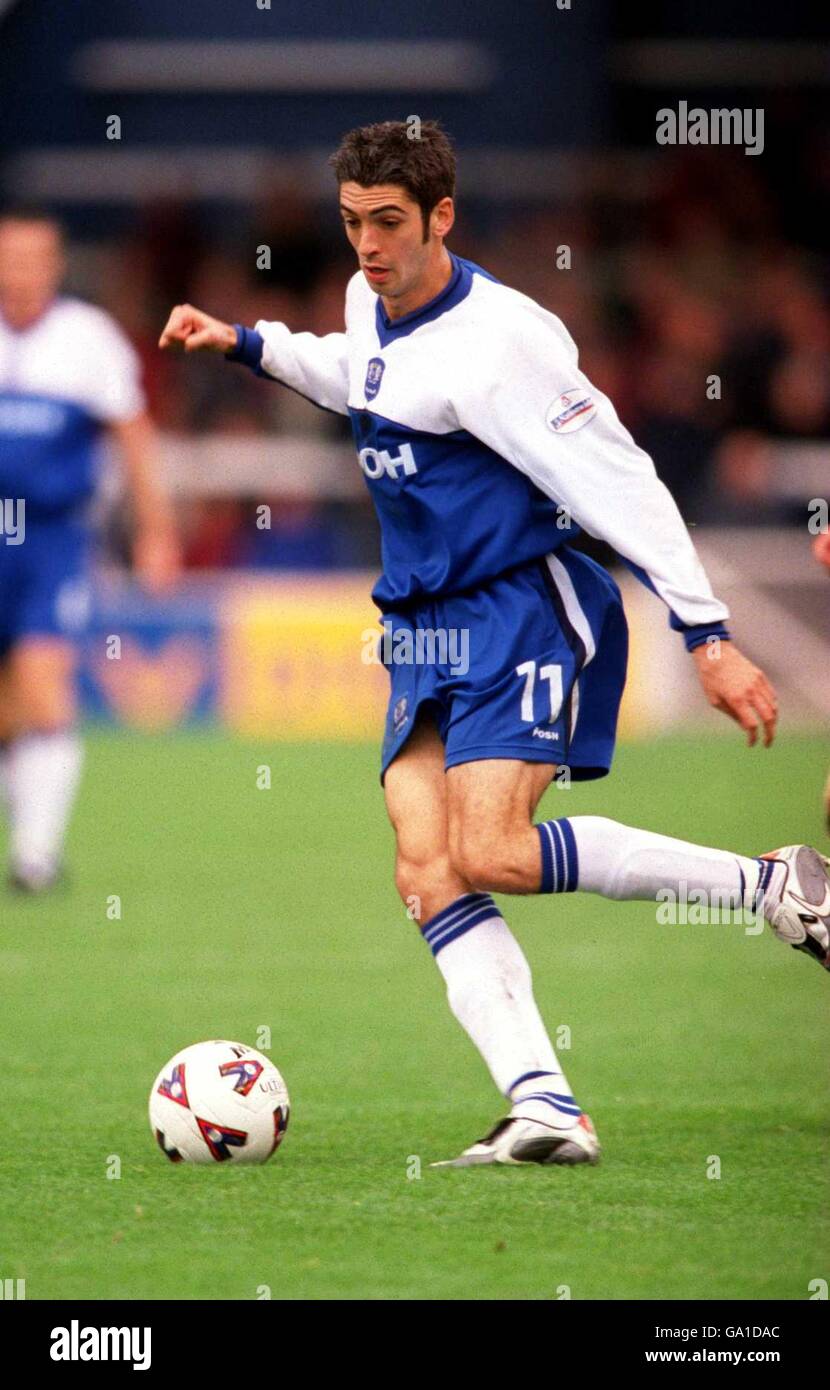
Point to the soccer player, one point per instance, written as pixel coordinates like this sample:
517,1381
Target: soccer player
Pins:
485,449
67,375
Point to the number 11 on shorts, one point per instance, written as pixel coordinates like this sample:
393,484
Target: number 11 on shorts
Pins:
551,674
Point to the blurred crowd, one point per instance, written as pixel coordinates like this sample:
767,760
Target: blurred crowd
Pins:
696,307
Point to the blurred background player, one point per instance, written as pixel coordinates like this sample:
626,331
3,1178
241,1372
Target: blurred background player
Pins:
67,376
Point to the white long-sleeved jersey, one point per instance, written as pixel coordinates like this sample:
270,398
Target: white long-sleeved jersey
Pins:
483,444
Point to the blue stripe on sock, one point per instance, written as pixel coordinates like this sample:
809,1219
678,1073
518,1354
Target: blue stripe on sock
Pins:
765,875
457,919
545,839
465,924
551,1095
566,1104
559,852
442,922
571,856
454,932
451,913
529,1076
560,857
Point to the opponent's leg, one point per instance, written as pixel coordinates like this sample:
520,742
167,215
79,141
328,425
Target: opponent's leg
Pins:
497,847
44,758
489,986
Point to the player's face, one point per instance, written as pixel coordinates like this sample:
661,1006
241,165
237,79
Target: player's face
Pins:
31,268
385,227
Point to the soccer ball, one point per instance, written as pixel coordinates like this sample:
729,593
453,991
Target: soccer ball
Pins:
219,1102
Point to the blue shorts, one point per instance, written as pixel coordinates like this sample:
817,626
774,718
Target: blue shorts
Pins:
532,666
44,583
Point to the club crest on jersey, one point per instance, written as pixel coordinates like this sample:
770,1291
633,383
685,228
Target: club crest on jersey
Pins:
400,715
374,376
570,411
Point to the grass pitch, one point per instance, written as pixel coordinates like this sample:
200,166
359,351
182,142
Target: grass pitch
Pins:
243,908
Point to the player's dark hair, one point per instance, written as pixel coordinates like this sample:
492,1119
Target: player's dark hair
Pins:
29,212
417,155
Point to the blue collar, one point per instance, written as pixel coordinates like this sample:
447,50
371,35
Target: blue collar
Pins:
456,289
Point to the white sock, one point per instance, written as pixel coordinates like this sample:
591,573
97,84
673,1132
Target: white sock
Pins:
43,775
598,855
490,991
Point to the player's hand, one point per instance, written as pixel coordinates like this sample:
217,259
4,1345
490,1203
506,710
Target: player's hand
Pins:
821,548
195,331
156,560
732,684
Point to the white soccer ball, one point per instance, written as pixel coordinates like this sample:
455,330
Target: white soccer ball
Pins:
218,1102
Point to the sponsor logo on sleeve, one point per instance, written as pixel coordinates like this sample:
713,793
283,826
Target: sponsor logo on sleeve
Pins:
570,411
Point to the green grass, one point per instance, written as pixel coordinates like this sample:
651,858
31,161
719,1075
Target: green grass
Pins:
243,908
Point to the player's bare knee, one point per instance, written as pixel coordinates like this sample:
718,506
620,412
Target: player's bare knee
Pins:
487,863
426,887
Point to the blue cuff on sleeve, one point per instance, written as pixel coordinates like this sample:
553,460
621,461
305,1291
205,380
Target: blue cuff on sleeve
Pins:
248,348
696,636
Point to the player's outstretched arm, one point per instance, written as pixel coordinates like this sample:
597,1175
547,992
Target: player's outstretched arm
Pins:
316,368
195,331
731,683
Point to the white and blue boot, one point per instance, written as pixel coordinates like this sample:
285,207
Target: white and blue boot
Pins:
535,1131
801,916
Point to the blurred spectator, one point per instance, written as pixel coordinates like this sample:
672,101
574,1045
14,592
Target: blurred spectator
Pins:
289,228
